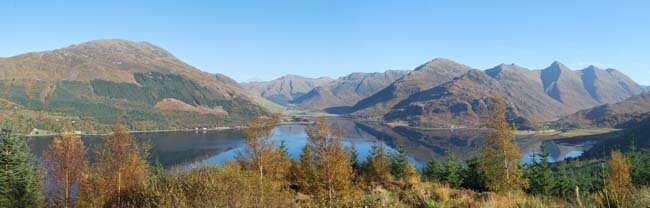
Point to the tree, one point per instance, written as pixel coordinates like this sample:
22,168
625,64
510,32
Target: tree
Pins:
260,149
472,175
332,160
618,184
398,163
539,175
411,175
639,165
354,158
376,169
66,165
303,171
500,156
283,163
20,184
451,172
433,170
121,165
283,149
564,184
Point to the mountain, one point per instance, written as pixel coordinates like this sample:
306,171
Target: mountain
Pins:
531,95
587,87
286,88
465,100
617,115
348,90
92,82
426,76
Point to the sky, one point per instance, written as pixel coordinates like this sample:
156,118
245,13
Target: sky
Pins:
263,40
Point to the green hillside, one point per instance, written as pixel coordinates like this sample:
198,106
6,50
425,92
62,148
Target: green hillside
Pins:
48,106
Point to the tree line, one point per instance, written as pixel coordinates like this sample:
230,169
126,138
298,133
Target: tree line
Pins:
326,174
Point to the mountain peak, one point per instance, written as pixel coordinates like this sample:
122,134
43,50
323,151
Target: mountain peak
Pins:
116,47
440,60
591,68
495,71
292,76
557,66
440,63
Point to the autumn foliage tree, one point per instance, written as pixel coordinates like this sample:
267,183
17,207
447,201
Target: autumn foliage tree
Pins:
260,153
66,166
376,169
618,186
121,164
499,155
326,160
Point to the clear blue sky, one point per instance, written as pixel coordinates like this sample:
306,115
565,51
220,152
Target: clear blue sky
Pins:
262,40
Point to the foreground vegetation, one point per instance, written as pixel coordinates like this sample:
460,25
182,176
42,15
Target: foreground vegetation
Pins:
326,174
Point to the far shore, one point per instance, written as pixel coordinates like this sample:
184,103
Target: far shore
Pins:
162,130
547,132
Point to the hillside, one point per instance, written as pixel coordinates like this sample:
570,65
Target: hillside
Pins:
617,115
635,134
286,88
95,81
348,90
532,95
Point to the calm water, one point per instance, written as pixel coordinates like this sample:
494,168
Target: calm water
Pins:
193,149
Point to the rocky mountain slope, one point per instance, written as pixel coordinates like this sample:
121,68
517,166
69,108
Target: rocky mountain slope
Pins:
97,80
347,90
532,95
617,115
286,88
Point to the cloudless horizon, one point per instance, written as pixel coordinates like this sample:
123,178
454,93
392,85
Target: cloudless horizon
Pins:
263,40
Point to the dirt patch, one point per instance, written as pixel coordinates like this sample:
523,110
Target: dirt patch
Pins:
170,104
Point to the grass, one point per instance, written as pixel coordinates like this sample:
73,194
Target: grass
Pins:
566,134
586,132
36,131
306,112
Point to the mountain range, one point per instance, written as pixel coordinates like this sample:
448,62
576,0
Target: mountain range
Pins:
285,89
323,93
92,82
444,92
531,95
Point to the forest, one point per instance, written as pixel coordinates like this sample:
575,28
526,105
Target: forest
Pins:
327,174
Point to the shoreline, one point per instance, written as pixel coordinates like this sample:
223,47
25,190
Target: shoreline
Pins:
142,131
163,130
547,132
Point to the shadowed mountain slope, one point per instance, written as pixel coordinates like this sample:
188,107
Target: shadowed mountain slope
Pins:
617,115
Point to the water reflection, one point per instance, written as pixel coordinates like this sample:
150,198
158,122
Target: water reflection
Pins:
192,149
